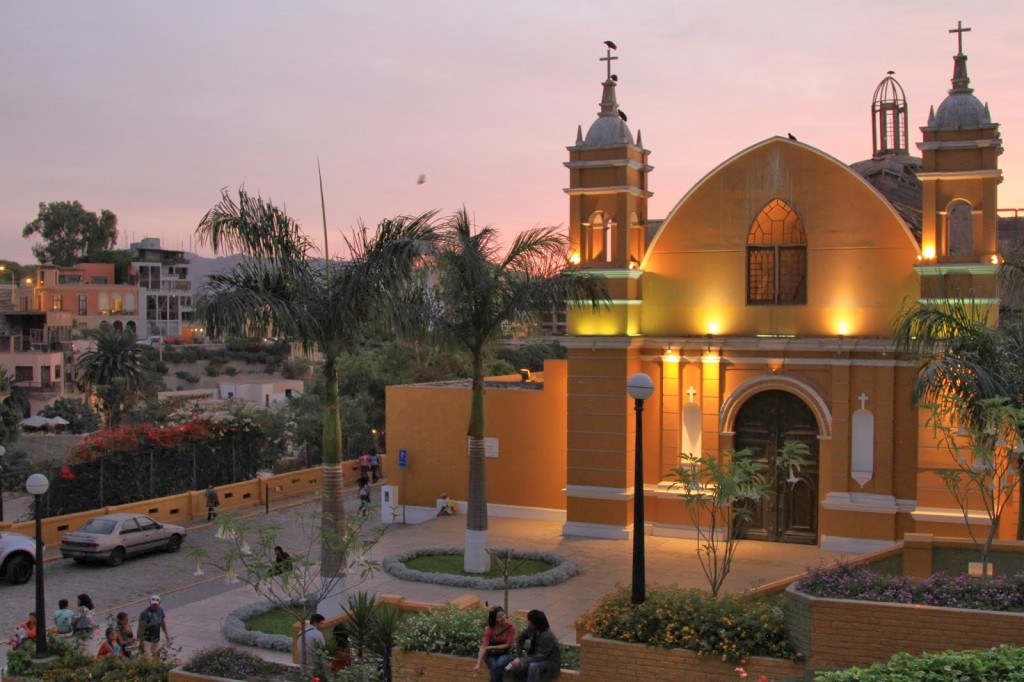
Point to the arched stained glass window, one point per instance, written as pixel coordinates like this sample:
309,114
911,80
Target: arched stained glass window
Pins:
776,257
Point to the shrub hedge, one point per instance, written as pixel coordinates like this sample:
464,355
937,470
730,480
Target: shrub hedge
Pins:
675,618
1000,664
998,593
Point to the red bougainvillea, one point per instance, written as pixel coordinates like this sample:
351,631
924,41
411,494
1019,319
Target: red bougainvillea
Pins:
66,473
136,438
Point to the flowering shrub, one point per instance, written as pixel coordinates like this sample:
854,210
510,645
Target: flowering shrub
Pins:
458,633
562,569
674,618
141,461
74,664
999,593
444,631
1000,664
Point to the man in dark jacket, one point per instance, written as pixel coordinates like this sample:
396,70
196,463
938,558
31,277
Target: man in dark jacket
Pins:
543,657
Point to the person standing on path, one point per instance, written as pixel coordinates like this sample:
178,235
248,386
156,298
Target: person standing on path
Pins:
364,464
313,644
374,465
212,502
151,621
364,495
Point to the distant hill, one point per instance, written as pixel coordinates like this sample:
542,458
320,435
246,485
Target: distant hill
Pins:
201,267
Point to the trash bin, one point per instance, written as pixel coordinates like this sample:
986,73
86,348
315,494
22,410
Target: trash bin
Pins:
389,511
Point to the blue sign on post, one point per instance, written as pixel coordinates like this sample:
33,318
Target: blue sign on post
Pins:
403,459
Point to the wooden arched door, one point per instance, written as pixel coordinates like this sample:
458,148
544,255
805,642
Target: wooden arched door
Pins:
763,424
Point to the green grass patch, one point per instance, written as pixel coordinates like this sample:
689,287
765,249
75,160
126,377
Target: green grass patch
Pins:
452,564
276,622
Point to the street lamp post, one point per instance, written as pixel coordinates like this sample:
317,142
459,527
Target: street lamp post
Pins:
640,387
37,485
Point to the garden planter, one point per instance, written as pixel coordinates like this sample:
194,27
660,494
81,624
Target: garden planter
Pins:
603,659
838,633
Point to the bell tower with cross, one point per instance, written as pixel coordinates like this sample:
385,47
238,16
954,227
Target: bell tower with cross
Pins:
959,176
608,186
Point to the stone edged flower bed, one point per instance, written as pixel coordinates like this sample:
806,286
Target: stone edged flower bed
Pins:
562,569
234,629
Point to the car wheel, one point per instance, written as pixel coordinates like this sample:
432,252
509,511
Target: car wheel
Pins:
174,543
19,569
116,557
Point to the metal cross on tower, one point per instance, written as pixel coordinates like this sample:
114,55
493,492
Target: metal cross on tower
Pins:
609,58
960,31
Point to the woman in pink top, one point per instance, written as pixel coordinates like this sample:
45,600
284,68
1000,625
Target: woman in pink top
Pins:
496,649
364,464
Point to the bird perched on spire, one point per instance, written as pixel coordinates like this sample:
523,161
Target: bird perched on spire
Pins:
615,78
791,136
622,115
611,45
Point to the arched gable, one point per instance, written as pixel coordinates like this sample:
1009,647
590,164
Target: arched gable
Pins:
751,387
771,175
859,252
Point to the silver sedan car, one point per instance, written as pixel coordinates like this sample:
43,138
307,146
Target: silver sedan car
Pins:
114,537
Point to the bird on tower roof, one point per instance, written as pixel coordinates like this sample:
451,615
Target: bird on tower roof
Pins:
610,127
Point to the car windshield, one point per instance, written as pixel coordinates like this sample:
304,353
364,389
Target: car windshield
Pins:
99,527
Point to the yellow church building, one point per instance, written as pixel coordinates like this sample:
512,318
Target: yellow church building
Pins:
763,307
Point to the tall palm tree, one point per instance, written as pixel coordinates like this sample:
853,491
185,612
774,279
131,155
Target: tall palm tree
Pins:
474,292
324,304
115,370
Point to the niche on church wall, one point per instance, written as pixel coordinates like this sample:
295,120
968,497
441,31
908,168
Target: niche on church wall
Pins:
960,229
862,444
691,431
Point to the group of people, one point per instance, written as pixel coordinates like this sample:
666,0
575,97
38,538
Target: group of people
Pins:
313,650
120,639
369,464
530,656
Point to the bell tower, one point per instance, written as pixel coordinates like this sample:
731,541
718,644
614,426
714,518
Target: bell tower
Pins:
960,175
608,187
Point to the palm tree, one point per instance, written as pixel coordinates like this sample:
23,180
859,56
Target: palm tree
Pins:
115,370
971,371
475,294
323,304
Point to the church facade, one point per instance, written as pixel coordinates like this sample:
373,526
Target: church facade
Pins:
762,306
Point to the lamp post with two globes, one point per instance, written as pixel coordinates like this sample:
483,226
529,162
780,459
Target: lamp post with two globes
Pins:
640,387
37,485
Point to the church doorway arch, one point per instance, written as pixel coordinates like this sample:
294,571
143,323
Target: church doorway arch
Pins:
765,422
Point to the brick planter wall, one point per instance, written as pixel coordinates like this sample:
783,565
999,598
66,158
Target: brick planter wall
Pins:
604,659
839,633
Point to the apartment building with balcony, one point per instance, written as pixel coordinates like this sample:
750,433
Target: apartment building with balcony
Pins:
165,291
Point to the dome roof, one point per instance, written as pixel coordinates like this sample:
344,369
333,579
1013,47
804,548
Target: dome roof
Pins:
961,109
608,130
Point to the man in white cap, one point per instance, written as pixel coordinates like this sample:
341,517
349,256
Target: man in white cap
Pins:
151,621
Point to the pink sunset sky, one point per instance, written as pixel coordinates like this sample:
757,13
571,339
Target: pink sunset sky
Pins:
148,109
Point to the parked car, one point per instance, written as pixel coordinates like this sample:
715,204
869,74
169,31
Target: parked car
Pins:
17,557
114,537
151,341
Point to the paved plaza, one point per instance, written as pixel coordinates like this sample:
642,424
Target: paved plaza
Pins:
196,605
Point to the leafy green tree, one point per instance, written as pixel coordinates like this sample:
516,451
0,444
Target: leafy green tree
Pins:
70,233
719,493
80,417
115,370
10,412
325,304
476,294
